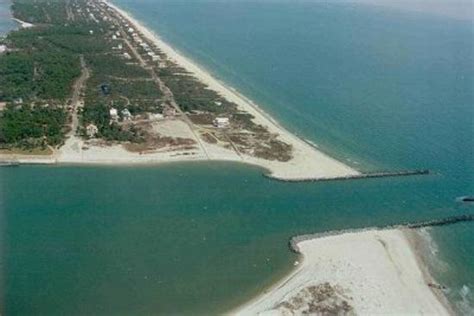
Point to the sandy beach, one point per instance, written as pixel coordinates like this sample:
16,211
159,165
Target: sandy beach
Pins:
307,162
367,272
23,24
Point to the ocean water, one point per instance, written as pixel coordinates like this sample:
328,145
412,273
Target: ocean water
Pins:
377,88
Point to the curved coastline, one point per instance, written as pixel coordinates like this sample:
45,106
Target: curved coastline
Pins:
308,161
346,262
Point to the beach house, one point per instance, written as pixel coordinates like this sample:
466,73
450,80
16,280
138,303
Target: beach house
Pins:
91,130
113,115
221,122
127,116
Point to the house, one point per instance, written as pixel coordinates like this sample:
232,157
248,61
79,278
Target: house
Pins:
3,105
119,47
3,48
127,56
221,122
127,116
113,115
91,130
169,111
155,116
105,88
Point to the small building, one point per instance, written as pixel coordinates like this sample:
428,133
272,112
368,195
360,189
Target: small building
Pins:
131,30
169,111
221,122
114,37
3,105
155,116
105,88
3,49
127,116
113,115
127,56
91,130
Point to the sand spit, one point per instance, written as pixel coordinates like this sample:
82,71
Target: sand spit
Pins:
365,272
23,24
307,161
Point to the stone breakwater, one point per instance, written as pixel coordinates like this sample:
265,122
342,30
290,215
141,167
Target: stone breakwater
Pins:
293,242
380,174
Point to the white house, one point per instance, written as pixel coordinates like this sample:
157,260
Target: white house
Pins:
113,114
221,122
91,130
127,116
155,116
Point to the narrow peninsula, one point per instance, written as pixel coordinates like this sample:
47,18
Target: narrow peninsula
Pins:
84,82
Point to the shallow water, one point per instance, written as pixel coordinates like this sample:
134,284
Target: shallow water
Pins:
194,237
383,89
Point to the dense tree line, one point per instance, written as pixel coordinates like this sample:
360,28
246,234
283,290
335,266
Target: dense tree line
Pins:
40,11
31,126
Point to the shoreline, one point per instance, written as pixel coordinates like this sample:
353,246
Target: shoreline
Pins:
307,161
346,262
23,24
416,243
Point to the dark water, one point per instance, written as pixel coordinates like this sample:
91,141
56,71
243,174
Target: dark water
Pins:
382,89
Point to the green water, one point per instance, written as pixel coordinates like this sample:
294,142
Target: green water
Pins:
6,23
193,237
377,88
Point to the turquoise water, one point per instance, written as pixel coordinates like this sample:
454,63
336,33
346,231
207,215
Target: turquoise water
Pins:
179,238
374,87
6,23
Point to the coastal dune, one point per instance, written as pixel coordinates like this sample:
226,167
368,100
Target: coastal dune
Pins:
368,272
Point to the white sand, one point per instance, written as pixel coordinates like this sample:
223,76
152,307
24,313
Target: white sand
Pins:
308,162
23,24
377,270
